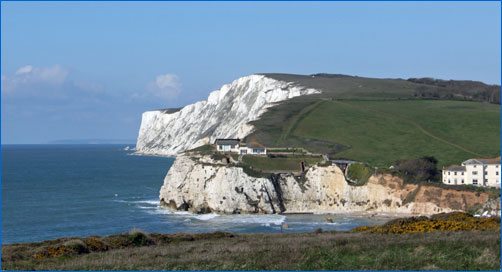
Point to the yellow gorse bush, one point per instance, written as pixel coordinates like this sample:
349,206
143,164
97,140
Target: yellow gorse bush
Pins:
455,221
52,252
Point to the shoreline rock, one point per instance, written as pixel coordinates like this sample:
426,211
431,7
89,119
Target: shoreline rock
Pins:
200,185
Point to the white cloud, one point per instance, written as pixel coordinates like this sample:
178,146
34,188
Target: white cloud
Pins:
166,86
167,81
24,70
27,78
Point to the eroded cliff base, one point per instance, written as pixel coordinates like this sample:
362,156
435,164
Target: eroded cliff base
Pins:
201,184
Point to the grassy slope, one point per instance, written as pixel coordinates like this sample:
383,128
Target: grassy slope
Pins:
297,251
380,132
378,121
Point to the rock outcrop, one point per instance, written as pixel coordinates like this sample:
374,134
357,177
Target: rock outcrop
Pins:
225,114
200,184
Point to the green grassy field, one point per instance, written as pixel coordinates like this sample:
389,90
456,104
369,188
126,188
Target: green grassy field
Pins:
380,132
355,87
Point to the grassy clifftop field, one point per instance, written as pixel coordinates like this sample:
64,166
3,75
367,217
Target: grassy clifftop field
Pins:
379,121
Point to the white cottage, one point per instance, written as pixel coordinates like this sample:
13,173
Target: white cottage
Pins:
479,172
227,145
253,148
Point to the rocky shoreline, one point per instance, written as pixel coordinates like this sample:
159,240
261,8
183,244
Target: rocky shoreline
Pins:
200,184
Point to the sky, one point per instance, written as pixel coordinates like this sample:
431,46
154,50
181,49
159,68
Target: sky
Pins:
88,70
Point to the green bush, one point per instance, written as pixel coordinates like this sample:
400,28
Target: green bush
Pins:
78,246
139,238
358,173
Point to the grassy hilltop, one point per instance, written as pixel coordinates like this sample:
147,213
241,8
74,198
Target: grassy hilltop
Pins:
379,121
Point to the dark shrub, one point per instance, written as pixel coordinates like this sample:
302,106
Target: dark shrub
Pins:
78,246
422,169
139,238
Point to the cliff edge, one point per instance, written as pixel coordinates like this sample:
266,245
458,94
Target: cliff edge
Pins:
200,184
225,114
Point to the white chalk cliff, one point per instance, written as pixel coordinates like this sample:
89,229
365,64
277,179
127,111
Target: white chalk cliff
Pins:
200,184
225,114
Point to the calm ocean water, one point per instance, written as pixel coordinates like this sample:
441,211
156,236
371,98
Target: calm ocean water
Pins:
53,191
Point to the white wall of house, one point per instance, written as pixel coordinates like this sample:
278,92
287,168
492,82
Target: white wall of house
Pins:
454,177
257,151
227,148
483,174
492,175
252,151
474,174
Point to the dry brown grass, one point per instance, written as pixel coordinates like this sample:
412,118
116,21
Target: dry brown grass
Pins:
361,249
298,251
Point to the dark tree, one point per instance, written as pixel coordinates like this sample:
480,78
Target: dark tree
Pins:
422,169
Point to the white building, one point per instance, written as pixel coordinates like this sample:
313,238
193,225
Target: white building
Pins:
234,145
479,172
227,145
253,148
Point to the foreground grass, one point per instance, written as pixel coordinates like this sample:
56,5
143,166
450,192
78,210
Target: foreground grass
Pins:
417,243
299,251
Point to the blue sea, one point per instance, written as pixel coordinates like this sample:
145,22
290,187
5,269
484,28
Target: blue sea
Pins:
54,191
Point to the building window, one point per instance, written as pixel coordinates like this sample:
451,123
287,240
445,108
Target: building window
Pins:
449,181
486,181
455,173
474,172
455,181
497,173
448,173
475,181
474,166
462,181
462,173
486,172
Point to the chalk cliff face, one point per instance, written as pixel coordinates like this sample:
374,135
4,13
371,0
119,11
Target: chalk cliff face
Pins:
225,114
199,184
